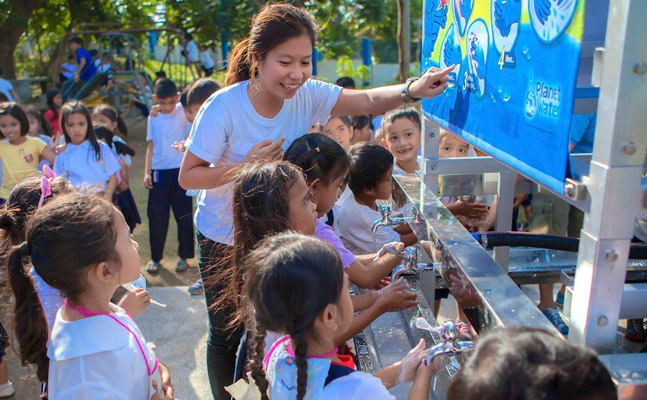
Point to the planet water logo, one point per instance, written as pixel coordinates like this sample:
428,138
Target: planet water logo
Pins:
543,99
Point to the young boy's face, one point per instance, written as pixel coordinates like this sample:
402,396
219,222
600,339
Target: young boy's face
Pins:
74,46
167,104
452,147
384,186
402,138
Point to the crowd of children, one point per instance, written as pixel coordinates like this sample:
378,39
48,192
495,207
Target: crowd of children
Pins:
288,173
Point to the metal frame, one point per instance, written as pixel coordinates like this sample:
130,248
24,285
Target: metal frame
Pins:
614,179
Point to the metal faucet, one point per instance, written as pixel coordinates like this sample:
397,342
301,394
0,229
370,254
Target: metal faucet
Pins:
410,264
386,219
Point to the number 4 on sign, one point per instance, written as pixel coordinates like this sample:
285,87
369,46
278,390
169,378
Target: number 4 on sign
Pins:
501,59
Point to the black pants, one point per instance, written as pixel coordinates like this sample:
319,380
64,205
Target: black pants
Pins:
207,71
165,195
222,344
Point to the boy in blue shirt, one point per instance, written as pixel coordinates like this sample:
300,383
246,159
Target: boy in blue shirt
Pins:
84,72
161,178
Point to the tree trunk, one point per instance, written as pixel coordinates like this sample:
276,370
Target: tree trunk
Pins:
10,32
404,39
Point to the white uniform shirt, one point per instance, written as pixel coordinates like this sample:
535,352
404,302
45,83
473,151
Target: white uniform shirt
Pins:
192,51
96,358
227,126
79,164
206,60
163,131
353,224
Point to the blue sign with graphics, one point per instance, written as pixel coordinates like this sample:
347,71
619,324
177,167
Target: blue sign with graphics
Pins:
512,90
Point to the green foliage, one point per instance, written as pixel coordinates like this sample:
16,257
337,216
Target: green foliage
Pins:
343,24
345,67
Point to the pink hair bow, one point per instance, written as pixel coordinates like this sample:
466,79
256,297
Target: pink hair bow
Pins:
46,184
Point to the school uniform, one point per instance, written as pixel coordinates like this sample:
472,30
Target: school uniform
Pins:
97,358
225,129
207,63
327,379
353,224
125,200
167,194
79,164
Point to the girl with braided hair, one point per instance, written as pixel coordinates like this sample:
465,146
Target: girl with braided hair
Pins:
296,285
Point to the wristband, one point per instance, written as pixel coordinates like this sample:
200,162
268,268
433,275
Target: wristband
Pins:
406,96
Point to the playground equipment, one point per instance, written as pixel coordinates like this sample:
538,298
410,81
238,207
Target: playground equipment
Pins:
609,186
132,85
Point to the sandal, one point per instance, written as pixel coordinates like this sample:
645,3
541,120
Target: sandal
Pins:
181,266
153,267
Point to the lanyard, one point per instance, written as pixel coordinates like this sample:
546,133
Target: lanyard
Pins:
87,313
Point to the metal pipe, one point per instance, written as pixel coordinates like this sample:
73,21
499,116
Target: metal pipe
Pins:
492,240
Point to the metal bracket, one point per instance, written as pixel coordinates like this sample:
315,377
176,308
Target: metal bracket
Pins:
575,190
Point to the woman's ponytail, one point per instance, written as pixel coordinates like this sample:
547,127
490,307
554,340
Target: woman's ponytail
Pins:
29,318
240,64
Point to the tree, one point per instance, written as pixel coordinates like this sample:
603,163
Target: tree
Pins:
14,23
404,39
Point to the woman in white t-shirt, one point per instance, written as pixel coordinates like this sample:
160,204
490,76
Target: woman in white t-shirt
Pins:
269,102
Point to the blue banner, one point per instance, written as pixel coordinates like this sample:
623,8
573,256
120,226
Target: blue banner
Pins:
512,90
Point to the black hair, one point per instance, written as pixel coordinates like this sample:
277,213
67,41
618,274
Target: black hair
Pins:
71,57
346,82
94,53
345,119
22,204
183,98
530,363
109,112
260,207
361,121
105,134
273,25
3,98
160,74
44,123
165,88
201,90
319,156
18,113
50,100
64,238
76,107
291,279
369,164
407,113
77,40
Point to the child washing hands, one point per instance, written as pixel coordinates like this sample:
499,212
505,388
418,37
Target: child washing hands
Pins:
296,285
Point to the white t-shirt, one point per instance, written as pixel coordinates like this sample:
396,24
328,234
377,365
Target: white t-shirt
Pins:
69,71
78,163
96,358
163,131
192,51
5,88
353,224
206,60
227,126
